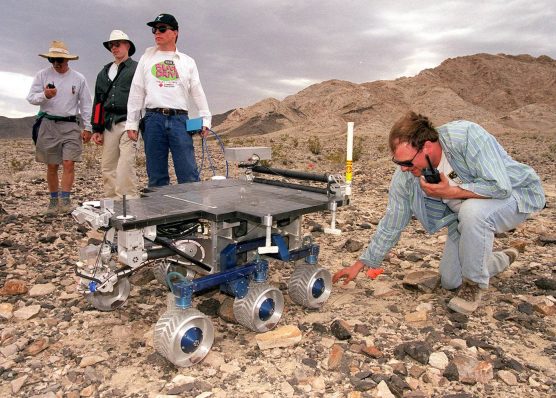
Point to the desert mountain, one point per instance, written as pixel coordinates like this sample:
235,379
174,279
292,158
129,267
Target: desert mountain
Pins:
16,127
498,91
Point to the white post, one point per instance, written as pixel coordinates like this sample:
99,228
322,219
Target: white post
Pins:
349,158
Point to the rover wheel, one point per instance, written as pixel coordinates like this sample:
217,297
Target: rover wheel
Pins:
184,337
261,309
109,301
310,285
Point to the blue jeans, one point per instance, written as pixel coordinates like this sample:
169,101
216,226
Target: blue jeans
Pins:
470,256
164,134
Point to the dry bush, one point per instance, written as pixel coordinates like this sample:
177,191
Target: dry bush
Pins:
314,145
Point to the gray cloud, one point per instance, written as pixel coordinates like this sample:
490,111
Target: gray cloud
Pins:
249,50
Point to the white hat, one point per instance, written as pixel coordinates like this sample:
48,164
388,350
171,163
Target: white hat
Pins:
116,35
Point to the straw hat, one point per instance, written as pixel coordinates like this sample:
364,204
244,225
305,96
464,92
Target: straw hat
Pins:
58,49
117,35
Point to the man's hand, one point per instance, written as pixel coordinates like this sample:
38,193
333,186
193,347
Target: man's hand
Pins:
50,92
86,135
97,138
348,272
133,135
205,132
441,190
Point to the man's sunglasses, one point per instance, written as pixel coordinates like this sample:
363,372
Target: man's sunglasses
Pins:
161,29
57,60
114,44
406,163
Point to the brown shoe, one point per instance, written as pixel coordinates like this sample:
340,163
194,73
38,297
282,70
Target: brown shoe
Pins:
52,208
468,298
512,254
65,206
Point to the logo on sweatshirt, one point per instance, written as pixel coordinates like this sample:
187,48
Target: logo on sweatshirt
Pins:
165,71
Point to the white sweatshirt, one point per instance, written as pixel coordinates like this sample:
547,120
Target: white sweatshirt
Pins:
165,79
72,98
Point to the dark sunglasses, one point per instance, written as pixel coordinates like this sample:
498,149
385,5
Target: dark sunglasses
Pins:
161,29
114,44
57,60
406,163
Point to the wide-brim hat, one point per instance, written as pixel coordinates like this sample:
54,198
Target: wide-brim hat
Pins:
58,49
117,35
165,19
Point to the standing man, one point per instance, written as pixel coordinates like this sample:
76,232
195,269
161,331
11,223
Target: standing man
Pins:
109,117
481,191
165,81
64,98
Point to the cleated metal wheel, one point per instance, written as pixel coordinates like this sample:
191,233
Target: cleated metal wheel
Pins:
165,267
261,309
310,285
111,300
184,337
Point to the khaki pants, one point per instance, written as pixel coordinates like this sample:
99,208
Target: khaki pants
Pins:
118,163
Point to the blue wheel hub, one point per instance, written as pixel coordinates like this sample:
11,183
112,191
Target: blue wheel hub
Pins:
266,310
318,288
191,340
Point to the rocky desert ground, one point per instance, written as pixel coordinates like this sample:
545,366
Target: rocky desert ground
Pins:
378,337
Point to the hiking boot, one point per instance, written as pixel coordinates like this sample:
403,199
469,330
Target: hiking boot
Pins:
65,206
468,298
512,254
52,206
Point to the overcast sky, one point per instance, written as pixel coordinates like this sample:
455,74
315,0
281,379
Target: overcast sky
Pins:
250,50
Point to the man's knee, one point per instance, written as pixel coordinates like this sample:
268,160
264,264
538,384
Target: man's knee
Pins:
68,165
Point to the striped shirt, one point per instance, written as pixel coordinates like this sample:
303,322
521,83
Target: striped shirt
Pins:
485,169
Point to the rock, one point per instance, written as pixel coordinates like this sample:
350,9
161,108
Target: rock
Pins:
284,336
13,287
91,360
416,317
42,290
209,306
438,360
335,357
37,346
27,312
426,281
382,391
546,283
469,370
9,350
383,289
547,239
6,310
87,391
507,377
371,351
18,383
526,308
418,350
340,330
352,245
226,310
544,306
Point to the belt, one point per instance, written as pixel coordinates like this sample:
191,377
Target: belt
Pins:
55,118
167,111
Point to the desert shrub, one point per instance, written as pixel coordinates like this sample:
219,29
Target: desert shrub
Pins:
295,142
91,156
357,148
19,164
337,157
314,145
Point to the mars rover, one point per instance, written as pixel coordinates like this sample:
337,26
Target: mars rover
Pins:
213,234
